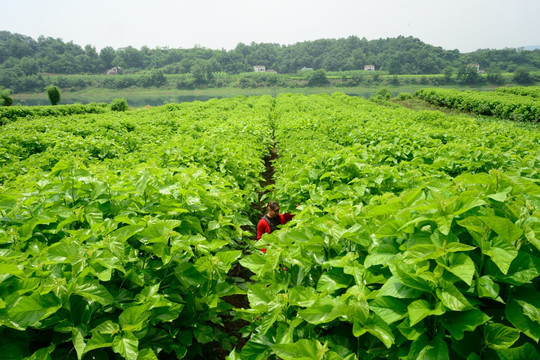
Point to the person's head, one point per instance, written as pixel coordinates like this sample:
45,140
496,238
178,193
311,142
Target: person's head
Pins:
272,208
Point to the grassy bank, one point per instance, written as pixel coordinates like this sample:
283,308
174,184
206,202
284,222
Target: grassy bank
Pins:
158,96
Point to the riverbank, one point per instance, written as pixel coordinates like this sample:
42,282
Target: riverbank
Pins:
138,97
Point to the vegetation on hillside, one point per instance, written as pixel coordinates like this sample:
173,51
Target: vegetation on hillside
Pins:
23,60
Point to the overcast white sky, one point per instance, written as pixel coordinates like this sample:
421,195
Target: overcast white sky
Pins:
466,25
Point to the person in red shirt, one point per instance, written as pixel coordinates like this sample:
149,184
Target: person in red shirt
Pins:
271,220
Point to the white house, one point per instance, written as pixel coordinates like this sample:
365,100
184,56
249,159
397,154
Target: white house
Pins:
369,67
259,68
477,67
115,71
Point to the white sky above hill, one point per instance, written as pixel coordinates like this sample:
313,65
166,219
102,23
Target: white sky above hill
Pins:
466,25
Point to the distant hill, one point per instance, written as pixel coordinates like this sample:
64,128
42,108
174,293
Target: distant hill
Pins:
531,47
23,59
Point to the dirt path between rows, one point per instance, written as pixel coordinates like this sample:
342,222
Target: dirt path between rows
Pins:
233,327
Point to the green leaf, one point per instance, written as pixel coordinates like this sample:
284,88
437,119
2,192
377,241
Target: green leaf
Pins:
227,258
516,314
389,308
107,327
422,348
261,297
502,253
498,336
134,317
330,282
127,346
302,296
458,322
324,310
204,334
98,341
125,232
487,288
462,266
147,354
505,228
188,275
12,269
455,247
376,327
395,288
303,349
93,291
78,343
436,350
29,310
380,255
452,298
420,309
524,352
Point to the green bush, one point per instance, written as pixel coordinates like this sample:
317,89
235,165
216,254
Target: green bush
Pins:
404,96
54,94
119,105
5,99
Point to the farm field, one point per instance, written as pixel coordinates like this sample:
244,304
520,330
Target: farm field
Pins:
130,235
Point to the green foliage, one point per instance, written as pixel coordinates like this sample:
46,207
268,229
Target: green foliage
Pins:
468,74
15,112
119,105
531,91
118,233
408,243
522,76
53,92
317,78
502,104
5,99
133,222
404,96
384,93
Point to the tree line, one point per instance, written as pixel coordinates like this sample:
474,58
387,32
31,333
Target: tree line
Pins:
23,59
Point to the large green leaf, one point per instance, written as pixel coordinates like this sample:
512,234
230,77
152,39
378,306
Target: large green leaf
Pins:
524,352
302,296
395,288
499,336
521,306
304,349
502,253
93,291
134,318
376,327
452,298
420,309
188,275
29,310
127,346
462,266
388,308
458,322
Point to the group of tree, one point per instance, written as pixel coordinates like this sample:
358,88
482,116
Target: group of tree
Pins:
23,60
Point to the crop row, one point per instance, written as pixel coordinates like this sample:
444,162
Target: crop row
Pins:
532,91
117,231
417,236
11,113
498,104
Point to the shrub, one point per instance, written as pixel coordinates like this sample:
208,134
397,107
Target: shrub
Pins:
5,99
404,96
54,94
383,93
119,105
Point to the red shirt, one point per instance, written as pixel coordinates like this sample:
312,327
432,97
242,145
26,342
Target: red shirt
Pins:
264,228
